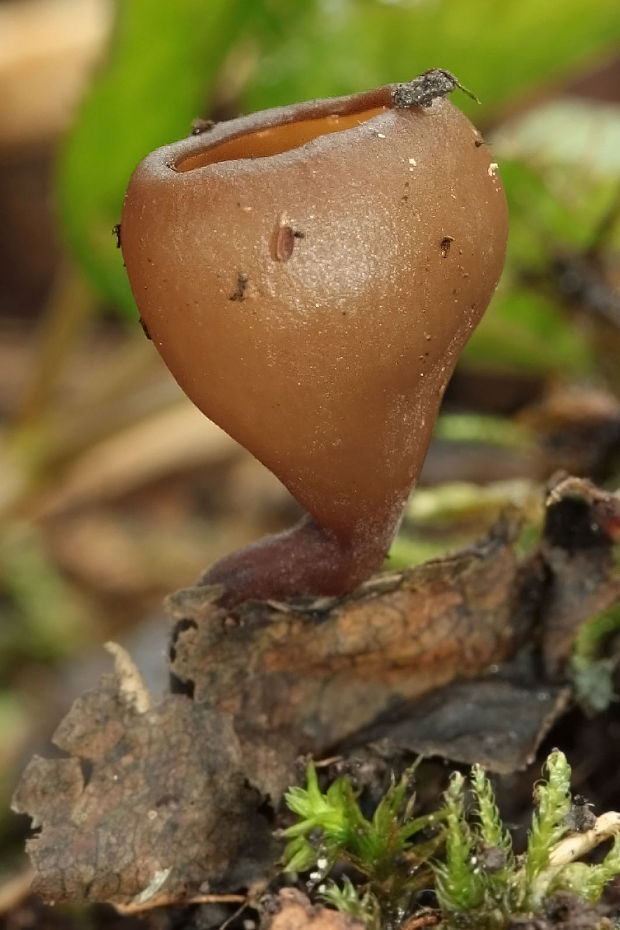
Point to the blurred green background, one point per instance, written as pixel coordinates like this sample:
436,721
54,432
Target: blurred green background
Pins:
113,490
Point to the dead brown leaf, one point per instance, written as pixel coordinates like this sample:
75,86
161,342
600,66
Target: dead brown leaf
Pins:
303,676
147,804
162,800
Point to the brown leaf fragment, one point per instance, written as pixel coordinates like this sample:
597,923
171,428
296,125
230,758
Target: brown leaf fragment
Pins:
494,721
159,802
151,804
311,673
297,913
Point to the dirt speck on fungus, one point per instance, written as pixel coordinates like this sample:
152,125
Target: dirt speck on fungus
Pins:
426,87
446,242
240,292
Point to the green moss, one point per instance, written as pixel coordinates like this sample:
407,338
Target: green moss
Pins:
480,883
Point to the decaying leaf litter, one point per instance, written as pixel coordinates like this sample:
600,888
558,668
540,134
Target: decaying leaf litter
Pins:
169,800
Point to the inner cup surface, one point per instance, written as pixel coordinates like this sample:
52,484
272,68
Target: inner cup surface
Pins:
276,139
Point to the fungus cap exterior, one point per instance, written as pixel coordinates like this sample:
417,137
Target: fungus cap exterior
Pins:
310,275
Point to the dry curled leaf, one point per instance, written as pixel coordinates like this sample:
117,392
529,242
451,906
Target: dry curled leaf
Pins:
147,804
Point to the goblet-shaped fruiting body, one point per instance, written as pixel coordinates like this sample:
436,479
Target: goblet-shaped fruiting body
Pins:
310,275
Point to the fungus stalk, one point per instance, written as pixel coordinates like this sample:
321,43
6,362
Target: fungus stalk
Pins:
310,275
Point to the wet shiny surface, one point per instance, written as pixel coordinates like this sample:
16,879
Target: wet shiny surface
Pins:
275,140
314,303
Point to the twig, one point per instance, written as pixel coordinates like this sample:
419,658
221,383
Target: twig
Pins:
578,844
233,916
168,900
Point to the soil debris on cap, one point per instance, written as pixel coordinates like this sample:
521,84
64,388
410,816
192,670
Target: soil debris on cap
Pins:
428,86
446,242
244,288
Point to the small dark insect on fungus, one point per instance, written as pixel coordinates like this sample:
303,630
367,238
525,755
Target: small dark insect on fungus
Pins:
334,375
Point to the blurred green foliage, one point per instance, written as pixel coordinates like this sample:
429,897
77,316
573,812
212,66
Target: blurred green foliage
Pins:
162,61
44,619
593,662
317,48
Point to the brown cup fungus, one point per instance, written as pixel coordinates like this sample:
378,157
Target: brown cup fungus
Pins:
310,275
